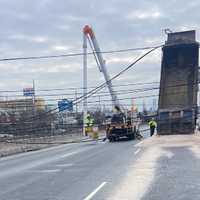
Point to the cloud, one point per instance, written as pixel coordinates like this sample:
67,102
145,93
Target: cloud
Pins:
143,15
119,60
60,48
22,37
47,27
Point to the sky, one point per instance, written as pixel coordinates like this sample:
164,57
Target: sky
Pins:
50,27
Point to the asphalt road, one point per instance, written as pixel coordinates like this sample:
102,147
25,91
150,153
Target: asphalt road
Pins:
104,171
68,172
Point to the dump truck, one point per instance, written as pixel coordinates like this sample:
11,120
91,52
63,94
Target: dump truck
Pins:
177,107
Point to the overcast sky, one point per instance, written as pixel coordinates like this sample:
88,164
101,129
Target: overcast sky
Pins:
50,27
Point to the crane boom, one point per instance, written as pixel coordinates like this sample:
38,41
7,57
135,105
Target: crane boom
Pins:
119,125
89,33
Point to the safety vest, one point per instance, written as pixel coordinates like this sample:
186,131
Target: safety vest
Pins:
152,123
89,121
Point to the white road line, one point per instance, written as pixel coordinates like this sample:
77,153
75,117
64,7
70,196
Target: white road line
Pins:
70,154
137,151
36,163
65,165
46,171
25,154
94,192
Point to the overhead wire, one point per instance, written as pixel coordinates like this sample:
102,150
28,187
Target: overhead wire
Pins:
123,92
102,93
74,54
78,88
98,88
103,85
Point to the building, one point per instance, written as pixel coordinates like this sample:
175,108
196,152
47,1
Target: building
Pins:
23,105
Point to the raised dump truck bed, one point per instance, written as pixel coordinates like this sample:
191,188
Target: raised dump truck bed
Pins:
177,107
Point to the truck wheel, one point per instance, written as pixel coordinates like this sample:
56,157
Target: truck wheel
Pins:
114,139
131,137
110,139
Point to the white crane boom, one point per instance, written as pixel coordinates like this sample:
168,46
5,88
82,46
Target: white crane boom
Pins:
88,33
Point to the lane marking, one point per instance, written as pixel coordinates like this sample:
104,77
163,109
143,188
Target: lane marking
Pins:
137,151
70,154
33,164
95,191
74,152
26,154
65,165
46,171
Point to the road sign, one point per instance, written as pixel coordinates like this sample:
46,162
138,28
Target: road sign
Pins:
28,92
65,104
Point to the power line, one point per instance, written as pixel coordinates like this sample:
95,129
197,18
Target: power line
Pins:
79,93
90,93
39,128
99,94
80,88
98,88
75,54
27,108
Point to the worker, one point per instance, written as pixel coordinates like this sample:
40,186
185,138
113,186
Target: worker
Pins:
87,120
152,125
89,123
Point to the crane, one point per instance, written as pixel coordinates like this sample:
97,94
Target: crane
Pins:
119,125
90,36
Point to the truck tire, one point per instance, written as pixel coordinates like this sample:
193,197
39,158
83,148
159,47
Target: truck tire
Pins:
131,137
110,139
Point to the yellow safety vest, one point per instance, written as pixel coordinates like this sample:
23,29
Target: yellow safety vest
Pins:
152,123
89,122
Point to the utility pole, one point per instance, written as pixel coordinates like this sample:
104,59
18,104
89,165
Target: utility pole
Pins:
99,103
33,98
84,81
144,106
76,96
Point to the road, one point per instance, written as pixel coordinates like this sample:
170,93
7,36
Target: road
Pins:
153,168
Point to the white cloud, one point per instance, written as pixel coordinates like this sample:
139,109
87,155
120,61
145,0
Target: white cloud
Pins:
60,48
142,14
51,28
72,18
37,39
40,39
119,60
63,27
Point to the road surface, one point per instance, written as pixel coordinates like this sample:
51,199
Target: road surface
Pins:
152,169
